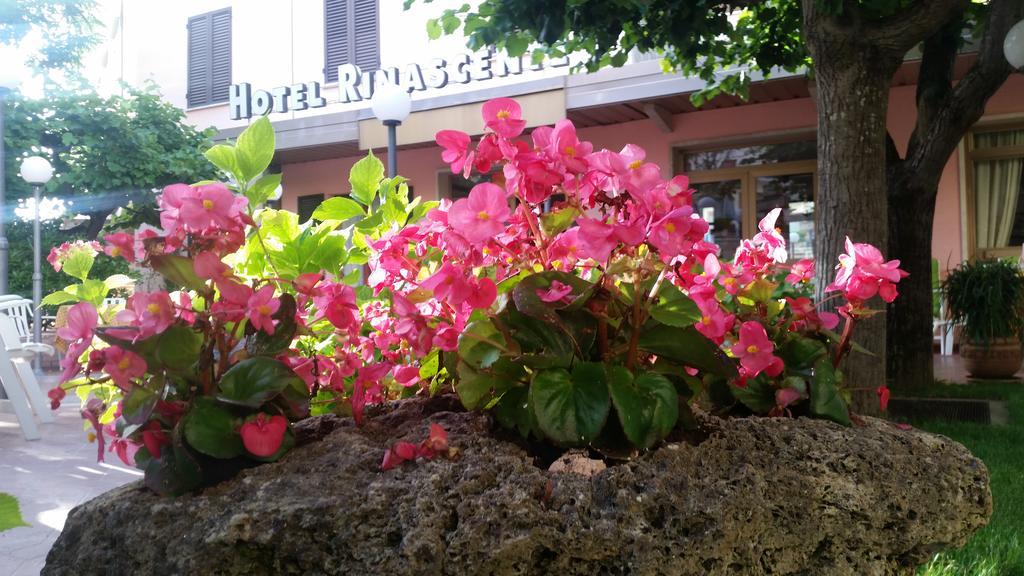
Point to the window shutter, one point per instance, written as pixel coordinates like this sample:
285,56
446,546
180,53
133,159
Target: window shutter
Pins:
351,35
367,45
337,48
199,65
209,58
308,205
221,55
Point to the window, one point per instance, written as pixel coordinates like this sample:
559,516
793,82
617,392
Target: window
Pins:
995,158
308,205
351,36
209,58
735,187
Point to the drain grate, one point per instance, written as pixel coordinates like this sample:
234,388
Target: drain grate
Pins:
958,409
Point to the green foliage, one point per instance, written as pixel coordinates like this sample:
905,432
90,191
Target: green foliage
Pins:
254,381
986,297
722,43
69,29
212,429
571,407
10,515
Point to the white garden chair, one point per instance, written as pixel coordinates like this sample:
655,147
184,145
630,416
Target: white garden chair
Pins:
19,383
21,311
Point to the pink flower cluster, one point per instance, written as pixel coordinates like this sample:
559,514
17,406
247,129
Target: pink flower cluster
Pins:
864,272
59,254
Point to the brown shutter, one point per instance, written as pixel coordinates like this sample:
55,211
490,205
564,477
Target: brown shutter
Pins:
221,55
337,32
351,35
367,34
209,58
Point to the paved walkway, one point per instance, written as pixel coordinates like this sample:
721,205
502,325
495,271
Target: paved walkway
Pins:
49,477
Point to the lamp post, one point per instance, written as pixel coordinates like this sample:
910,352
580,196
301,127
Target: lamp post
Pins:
8,81
37,171
1013,45
391,105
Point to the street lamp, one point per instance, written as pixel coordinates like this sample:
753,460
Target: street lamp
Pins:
1013,45
9,78
391,105
37,171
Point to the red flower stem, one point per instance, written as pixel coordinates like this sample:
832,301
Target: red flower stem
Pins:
845,342
634,338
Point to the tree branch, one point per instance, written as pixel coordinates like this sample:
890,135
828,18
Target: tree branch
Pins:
951,115
911,25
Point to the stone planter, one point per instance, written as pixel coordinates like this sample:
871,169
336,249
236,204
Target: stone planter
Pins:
753,496
1000,358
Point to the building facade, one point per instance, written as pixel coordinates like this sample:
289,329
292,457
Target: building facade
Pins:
311,66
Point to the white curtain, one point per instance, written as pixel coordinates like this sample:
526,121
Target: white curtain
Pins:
997,185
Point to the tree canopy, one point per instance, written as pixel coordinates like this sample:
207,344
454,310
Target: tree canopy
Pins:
69,29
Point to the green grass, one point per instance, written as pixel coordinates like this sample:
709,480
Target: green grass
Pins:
997,549
10,516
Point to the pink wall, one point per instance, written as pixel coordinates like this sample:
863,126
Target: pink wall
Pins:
422,165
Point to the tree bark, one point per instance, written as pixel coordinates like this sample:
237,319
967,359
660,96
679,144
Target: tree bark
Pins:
852,79
945,114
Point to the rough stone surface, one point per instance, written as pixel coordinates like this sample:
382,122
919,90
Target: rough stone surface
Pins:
757,496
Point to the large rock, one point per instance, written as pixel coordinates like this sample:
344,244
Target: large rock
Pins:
756,496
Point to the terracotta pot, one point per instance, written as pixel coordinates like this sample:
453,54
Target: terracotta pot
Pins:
1000,358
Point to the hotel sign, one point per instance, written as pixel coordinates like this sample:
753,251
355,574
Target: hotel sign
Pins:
357,85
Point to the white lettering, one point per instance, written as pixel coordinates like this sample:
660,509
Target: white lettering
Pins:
262,102
239,101
461,74
413,78
437,75
348,79
297,100
481,66
281,98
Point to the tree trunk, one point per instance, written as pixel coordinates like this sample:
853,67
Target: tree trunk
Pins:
910,319
852,79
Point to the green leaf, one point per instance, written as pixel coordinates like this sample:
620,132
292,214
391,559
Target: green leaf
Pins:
675,308
78,263
516,44
758,395
118,281
430,365
212,430
178,270
801,353
558,221
473,387
262,344
515,412
175,472
687,346
138,404
178,348
648,405
254,150
433,29
365,179
481,344
338,208
59,297
223,156
263,189
825,399
254,381
571,408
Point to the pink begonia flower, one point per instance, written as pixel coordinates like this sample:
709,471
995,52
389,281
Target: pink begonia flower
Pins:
638,176
488,151
400,452
596,239
482,215
261,307
70,364
122,366
555,293
807,317
504,117
120,244
484,293
407,376
754,349
447,338
883,397
337,303
863,272
154,438
209,206
81,322
455,150
183,302
674,234
714,323
563,253
567,148
209,266
233,293
307,283
150,312
125,450
56,395
262,436
784,397
770,238
802,271
92,411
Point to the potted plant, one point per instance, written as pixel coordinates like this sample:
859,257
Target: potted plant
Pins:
986,298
